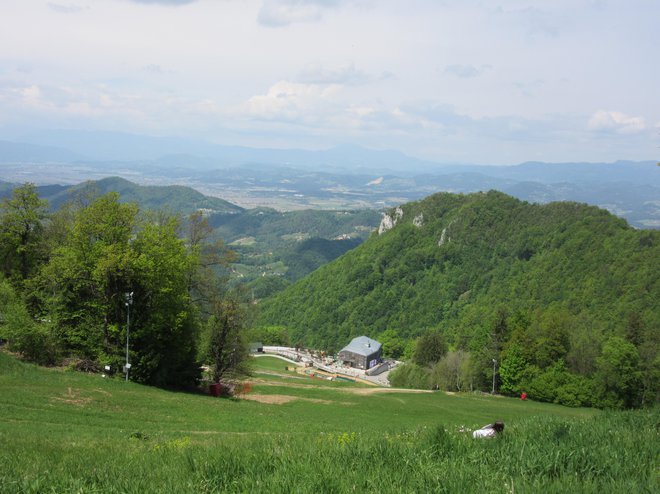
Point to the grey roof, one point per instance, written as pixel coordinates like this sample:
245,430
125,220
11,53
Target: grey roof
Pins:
362,345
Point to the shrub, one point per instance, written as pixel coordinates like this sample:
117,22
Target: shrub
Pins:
32,340
410,376
557,385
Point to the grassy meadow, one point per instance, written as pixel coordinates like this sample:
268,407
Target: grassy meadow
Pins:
62,431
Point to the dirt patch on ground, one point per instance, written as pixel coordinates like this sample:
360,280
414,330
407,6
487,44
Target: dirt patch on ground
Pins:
281,399
263,382
327,402
269,399
72,397
103,392
372,391
280,374
354,391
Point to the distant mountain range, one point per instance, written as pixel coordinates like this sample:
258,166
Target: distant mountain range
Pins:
88,146
344,177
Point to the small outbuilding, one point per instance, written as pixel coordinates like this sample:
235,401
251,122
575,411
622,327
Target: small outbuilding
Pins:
256,347
362,353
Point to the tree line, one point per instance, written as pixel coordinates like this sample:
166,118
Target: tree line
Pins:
69,279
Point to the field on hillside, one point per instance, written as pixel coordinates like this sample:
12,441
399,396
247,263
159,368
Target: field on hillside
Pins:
62,431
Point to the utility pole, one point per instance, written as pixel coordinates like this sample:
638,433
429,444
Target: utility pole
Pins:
129,301
494,364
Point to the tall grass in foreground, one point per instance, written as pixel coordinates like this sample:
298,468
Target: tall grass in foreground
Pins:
615,452
70,432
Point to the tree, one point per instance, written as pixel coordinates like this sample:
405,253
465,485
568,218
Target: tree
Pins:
647,341
33,340
650,369
453,372
552,341
512,370
166,320
205,281
87,277
21,230
393,344
271,335
618,375
556,385
430,348
500,331
225,348
107,254
635,329
410,376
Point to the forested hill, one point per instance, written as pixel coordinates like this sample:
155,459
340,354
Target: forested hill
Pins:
171,198
566,274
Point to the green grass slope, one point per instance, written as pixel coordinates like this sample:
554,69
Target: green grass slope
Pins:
67,432
452,261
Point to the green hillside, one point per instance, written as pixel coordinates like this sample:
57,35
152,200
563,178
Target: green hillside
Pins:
274,248
493,274
171,198
64,431
277,248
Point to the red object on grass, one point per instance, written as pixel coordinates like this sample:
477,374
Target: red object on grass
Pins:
523,396
215,389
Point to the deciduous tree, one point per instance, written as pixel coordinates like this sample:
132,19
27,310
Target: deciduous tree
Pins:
21,231
430,348
226,350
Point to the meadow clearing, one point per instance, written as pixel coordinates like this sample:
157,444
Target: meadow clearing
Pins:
62,431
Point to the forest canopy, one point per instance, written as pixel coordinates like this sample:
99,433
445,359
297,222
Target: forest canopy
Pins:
564,297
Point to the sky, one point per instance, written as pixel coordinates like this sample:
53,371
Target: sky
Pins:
465,81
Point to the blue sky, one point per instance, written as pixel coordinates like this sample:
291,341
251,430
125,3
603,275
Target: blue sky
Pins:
452,81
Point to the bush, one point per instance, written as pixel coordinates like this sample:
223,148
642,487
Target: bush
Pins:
33,341
557,385
410,376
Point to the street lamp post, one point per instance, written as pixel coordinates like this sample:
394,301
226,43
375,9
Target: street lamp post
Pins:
494,364
129,301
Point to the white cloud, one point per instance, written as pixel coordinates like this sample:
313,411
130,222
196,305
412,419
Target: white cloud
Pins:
471,80
614,121
291,101
165,2
154,68
31,95
466,71
349,75
538,22
279,13
43,101
66,9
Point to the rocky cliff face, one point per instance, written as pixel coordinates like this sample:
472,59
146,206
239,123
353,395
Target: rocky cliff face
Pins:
389,220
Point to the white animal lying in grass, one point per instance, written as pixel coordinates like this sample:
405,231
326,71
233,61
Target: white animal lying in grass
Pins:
490,430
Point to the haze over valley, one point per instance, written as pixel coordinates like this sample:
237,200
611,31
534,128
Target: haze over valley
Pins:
346,177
